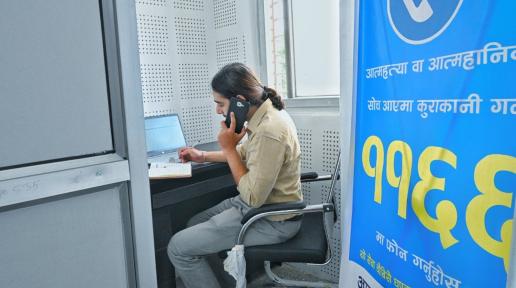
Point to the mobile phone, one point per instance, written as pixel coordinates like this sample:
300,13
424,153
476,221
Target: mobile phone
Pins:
240,108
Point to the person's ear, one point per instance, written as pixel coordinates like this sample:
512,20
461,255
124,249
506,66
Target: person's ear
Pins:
240,97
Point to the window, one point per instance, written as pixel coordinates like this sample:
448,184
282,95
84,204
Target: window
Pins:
302,47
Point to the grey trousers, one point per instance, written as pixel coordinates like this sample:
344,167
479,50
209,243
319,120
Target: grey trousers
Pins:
215,230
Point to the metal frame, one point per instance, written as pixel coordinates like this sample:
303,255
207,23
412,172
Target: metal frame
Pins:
313,102
40,186
262,49
289,48
349,24
113,94
113,76
63,168
139,191
292,97
511,281
126,167
56,166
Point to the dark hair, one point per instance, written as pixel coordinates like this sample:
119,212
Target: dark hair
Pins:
237,79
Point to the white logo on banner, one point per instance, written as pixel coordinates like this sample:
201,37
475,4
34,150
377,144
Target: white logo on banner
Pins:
418,22
419,13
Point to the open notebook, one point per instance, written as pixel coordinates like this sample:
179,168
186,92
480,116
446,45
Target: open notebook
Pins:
164,136
170,170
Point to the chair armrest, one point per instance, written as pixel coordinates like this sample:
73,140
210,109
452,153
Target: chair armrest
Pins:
312,178
273,207
308,176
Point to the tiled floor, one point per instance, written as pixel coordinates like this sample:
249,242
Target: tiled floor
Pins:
285,271
263,281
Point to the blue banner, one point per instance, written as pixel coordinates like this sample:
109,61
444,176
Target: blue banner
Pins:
435,156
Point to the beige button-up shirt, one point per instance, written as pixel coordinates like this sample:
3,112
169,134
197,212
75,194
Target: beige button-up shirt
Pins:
271,154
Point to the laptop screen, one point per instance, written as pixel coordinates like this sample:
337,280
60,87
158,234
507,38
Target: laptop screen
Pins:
163,134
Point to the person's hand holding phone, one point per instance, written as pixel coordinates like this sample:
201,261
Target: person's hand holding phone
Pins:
239,107
187,154
227,137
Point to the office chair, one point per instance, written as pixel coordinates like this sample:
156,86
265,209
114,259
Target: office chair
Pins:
310,245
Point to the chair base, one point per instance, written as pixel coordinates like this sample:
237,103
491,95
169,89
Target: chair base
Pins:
293,283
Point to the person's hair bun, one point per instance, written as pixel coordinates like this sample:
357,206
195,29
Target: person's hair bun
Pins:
275,98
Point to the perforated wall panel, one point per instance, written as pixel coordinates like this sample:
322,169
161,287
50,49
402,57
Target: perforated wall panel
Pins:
196,122
227,51
225,13
330,148
157,84
195,81
191,36
305,141
159,3
182,45
244,50
153,34
196,5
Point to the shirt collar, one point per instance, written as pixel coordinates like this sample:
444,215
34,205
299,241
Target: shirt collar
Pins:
258,115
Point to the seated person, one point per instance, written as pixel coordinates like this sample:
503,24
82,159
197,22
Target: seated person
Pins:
266,169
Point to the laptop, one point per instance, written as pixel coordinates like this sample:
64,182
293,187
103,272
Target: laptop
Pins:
164,136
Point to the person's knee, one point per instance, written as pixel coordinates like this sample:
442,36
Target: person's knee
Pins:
184,243
176,247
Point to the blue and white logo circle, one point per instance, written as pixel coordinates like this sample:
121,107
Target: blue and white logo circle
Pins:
421,21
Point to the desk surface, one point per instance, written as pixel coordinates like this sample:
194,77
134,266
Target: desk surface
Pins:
205,178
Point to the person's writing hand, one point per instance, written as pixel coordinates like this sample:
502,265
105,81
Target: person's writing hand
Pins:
187,154
227,137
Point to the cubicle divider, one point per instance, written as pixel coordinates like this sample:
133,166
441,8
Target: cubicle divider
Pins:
75,207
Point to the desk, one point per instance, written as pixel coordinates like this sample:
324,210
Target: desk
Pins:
175,201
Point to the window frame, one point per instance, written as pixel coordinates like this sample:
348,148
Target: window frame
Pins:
292,95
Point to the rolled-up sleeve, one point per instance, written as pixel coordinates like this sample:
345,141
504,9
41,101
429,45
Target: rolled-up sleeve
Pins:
265,159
